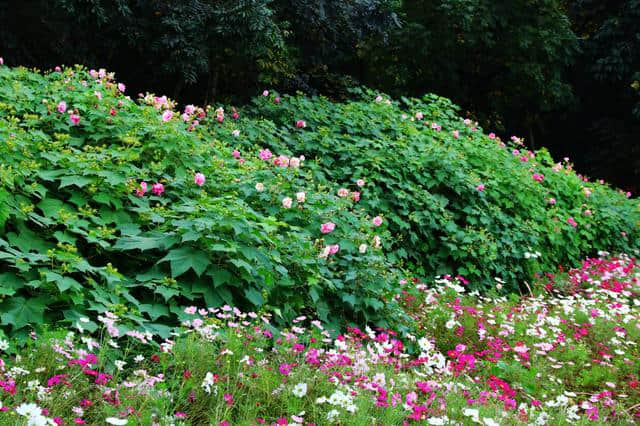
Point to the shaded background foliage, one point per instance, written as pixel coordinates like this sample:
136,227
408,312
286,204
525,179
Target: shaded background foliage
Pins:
561,73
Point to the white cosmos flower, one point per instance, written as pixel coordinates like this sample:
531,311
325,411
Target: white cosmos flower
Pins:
300,390
333,414
29,410
116,421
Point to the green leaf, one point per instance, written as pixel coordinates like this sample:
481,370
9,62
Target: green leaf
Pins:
78,181
50,207
4,207
185,258
166,292
63,283
220,276
155,311
254,297
349,298
10,283
19,312
159,241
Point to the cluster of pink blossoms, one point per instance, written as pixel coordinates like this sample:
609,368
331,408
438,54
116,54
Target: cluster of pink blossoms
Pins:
157,189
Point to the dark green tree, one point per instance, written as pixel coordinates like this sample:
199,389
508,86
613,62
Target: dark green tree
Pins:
505,60
606,78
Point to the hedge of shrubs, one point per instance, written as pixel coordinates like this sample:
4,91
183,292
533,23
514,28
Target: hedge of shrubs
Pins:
295,205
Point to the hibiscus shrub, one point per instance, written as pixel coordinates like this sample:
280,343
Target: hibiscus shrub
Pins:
458,201
109,204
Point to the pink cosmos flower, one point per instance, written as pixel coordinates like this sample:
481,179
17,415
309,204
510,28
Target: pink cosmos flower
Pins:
378,98
181,415
343,192
538,177
492,135
199,179
355,195
571,221
301,124
327,228
419,115
287,202
377,221
456,134
277,100
480,187
236,153
265,154
334,248
167,115
360,182
157,188
75,119
62,107
121,87
1,61
552,201
265,93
